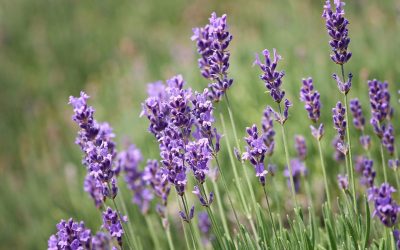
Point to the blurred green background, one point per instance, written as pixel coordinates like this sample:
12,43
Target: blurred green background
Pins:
51,49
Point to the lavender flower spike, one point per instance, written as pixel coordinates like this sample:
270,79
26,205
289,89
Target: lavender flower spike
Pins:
298,170
212,43
311,99
339,121
336,25
113,224
356,111
271,77
379,98
386,208
70,235
343,182
301,147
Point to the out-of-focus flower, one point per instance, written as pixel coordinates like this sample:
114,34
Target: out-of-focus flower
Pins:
311,99
301,147
343,182
356,111
298,170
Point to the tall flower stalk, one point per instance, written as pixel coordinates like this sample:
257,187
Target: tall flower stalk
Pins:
273,81
336,25
312,104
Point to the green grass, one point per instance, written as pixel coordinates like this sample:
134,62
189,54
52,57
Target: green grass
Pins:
53,49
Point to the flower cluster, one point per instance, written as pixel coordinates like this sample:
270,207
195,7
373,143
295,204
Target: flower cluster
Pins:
256,150
301,147
359,122
386,208
271,77
70,235
212,42
344,86
336,25
365,167
128,161
343,181
112,223
96,143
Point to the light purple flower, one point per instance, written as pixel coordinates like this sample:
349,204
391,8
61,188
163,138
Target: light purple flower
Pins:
298,170
343,181
70,235
113,224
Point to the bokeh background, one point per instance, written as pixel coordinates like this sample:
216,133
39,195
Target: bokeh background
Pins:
51,49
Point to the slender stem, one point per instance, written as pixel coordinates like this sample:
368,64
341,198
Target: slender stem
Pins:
169,238
152,230
221,210
353,182
189,220
183,225
130,228
250,187
270,214
383,164
287,159
328,196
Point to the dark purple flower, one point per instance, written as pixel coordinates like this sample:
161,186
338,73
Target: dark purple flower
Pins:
198,156
70,235
128,161
96,142
356,111
268,130
187,217
368,173
298,170
379,98
113,224
212,43
95,188
255,152
388,138
343,182
336,25
271,77
339,121
318,133
311,99
344,87
386,208
301,147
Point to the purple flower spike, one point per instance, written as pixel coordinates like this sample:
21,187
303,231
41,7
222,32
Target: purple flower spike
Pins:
343,182
204,223
344,87
271,77
113,224
70,235
336,25
128,161
198,156
379,98
101,241
394,163
339,121
298,170
358,117
311,99
388,138
96,143
268,131
256,150
153,174
212,43
301,147
338,155
368,173
386,208
318,133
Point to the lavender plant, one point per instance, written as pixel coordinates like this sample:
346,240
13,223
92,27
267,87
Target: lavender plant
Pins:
185,129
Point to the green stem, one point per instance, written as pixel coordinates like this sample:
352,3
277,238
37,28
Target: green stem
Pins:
287,159
130,228
270,215
183,225
185,205
152,230
383,164
328,197
169,238
122,223
353,182
221,210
